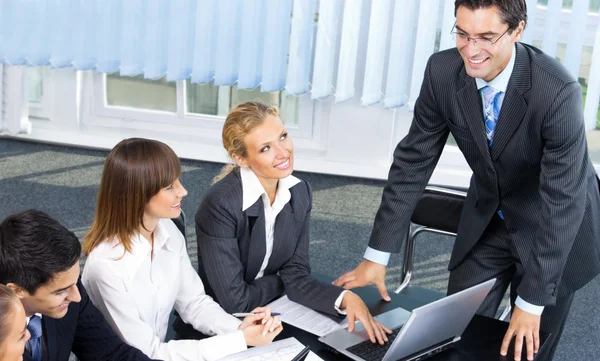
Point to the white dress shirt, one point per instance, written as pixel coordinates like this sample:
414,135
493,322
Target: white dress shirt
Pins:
500,83
136,292
252,189
35,314
27,319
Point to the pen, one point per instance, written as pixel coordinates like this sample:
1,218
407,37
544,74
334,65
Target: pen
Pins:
246,314
302,355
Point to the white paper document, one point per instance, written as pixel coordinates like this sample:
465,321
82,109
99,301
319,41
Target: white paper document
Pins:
282,350
305,318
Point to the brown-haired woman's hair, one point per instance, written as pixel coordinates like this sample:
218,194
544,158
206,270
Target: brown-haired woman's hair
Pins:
8,304
135,170
241,121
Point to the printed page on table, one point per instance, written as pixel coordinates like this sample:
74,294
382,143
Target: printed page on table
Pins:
282,350
305,318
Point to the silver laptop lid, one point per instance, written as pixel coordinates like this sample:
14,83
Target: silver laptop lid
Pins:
438,321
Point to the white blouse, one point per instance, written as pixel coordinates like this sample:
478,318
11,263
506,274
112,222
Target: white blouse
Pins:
252,189
136,292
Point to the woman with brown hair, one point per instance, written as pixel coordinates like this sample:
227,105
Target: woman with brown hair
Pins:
138,268
253,224
13,331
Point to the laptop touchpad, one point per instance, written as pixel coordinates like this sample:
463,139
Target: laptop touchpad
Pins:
394,318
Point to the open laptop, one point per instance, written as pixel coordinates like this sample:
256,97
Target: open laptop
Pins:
424,332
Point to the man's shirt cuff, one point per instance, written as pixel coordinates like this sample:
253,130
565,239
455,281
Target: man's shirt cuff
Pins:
376,256
338,303
528,307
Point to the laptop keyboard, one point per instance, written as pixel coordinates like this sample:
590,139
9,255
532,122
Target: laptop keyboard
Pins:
373,351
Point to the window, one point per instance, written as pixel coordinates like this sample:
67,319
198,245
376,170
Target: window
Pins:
214,100
568,4
137,92
200,99
36,85
39,91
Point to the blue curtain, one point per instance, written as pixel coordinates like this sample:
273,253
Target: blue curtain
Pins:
243,42
301,46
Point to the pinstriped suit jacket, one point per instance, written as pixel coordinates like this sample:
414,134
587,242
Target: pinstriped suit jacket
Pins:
84,331
231,249
538,171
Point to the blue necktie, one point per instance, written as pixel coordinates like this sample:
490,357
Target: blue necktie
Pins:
35,342
491,111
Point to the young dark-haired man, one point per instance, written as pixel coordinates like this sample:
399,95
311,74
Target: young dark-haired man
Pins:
39,260
532,213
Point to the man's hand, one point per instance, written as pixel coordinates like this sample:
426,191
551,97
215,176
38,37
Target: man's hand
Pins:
365,273
357,310
522,325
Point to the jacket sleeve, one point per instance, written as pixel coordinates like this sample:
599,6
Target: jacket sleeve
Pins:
300,286
415,158
219,258
563,190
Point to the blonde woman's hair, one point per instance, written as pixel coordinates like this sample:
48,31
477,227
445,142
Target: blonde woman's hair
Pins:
8,303
239,123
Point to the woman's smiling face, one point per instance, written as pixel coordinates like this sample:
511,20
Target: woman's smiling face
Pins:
270,151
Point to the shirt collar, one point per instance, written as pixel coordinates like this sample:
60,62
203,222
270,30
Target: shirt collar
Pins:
162,235
252,189
500,82
35,314
130,262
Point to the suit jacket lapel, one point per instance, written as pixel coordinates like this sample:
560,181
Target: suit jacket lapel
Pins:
514,105
50,337
257,247
285,227
469,100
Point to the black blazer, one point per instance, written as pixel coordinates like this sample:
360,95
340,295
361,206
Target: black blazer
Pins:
231,249
538,171
84,331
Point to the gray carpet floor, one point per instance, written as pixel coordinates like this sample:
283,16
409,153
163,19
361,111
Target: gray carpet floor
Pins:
63,181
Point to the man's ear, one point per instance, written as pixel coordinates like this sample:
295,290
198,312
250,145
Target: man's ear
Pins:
20,291
519,31
239,160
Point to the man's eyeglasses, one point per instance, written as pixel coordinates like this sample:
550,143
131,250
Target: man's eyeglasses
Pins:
482,41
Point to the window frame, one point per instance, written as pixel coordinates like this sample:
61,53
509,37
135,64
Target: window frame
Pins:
45,108
119,116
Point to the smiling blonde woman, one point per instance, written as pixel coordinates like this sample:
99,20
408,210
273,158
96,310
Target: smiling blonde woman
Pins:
252,226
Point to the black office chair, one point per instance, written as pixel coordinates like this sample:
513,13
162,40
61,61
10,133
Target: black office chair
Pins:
180,223
434,202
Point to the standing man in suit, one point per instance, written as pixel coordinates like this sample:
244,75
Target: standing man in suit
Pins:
532,213
39,260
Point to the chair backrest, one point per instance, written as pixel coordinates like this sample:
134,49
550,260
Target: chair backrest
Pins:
438,211
180,223
440,208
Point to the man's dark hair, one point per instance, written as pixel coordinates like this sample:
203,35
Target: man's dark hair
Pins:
34,248
512,11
